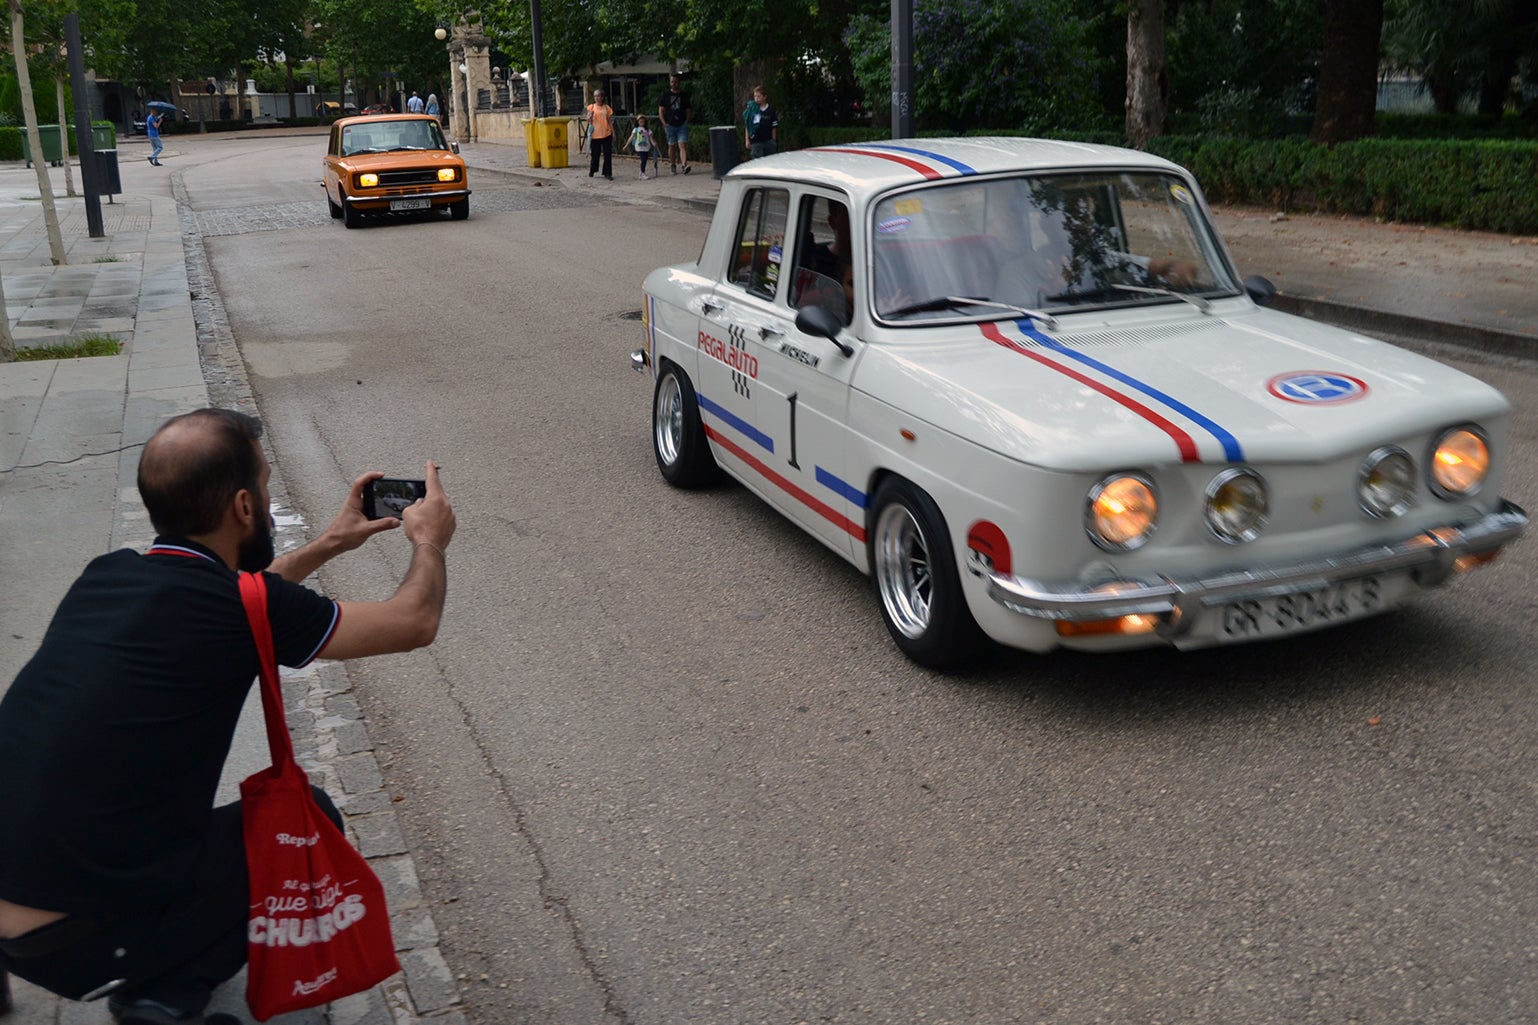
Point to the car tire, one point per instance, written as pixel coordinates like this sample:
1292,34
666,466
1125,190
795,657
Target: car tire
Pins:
913,570
351,215
460,210
678,436
334,207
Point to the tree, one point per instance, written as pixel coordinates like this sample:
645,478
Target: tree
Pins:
1013,64
1147,83
1348,70
1461,47
34,138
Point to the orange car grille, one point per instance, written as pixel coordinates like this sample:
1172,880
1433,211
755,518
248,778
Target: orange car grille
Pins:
398,179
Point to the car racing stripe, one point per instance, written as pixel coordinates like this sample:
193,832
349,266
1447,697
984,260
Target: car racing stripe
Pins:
912,165
1231,447
755,435
1183,441
938,157
827,512
841,487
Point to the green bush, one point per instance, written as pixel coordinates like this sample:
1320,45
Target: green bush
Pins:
1482,185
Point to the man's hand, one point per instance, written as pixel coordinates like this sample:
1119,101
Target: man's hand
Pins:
351,527
348,530
430,520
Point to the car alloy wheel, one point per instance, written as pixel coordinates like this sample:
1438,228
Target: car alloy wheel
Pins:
914,573
678,436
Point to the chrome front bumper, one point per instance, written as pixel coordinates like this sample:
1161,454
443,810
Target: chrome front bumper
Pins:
1430,557
454,194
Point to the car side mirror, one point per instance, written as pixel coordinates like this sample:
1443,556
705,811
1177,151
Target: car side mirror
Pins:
453,146
1260,289
820,323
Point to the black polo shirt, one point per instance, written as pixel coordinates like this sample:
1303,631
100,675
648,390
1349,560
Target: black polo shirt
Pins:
113,736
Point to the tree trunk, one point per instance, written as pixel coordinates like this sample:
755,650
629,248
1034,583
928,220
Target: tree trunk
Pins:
34,138
1348,70
1147,83
69,179
7,342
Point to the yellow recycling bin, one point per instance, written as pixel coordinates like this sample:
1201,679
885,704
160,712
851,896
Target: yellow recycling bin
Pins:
531,141
552,141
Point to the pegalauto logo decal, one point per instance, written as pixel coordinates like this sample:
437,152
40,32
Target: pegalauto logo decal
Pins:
1316,387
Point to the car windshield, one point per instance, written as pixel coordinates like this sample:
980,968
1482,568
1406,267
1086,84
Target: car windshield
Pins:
389,136
1047,244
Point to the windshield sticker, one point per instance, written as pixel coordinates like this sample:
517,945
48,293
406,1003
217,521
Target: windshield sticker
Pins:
893,225
775,254
1316,387
909,207
1181,194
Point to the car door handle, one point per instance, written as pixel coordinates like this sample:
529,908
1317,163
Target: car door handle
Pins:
706,306
766,332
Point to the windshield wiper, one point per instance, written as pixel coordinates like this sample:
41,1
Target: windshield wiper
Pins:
1194,300
951,302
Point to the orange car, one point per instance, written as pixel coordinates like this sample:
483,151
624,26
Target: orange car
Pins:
396,163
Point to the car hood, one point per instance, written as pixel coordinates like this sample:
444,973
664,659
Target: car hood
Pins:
1245,385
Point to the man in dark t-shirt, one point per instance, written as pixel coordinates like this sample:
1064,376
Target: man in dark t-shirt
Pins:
674,112
117,875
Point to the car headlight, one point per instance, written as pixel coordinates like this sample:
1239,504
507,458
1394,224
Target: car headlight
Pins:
1460,460
368,180
448,174
1385,485
1236,505
1122,512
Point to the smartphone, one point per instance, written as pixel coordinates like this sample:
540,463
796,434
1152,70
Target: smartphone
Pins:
389,496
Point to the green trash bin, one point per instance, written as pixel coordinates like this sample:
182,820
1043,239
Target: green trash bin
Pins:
553,147
531,141
50,139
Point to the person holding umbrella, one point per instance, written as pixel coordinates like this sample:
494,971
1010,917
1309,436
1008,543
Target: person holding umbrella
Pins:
152,125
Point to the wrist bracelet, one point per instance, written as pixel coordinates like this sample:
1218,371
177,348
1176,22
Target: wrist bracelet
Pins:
429,544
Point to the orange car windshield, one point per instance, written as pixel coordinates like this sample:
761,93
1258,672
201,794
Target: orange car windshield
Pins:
391,136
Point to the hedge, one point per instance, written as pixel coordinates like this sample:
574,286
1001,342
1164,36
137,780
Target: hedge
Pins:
1481,185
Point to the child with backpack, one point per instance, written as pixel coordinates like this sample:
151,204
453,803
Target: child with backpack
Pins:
642,142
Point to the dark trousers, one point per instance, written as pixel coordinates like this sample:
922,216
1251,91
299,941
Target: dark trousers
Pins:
594,148
176,955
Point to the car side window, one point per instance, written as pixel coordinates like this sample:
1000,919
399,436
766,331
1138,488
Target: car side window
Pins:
824,258
759,249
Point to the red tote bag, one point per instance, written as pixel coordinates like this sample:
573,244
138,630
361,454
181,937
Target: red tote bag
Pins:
318,928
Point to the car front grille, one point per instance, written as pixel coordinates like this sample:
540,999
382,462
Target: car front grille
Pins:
396,179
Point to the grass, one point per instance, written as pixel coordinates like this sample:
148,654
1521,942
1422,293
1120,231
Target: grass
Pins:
90,345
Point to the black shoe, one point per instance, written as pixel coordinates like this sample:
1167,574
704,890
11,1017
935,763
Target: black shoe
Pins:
609,176
687,169
148,1012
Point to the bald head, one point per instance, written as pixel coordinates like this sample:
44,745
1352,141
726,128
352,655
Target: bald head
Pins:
193,467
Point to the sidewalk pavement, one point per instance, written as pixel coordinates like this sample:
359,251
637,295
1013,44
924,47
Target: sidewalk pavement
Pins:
70,436
71,431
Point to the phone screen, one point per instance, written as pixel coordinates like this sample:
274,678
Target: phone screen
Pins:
389,496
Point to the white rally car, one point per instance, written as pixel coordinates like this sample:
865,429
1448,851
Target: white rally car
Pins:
1020,384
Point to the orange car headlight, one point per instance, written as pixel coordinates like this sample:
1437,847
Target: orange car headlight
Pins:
448,174
1121,512
1459,463
368,180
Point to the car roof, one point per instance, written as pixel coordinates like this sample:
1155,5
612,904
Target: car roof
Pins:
871,167
374,119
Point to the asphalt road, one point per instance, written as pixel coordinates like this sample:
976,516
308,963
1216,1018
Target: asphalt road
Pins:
664,767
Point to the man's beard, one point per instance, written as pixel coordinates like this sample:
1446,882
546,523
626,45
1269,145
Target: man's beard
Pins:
257,552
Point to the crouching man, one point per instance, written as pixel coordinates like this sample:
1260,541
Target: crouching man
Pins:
118,877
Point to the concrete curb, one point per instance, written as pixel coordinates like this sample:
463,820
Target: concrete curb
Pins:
1371,321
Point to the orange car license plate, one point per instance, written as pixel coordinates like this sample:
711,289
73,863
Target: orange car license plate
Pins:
410,204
